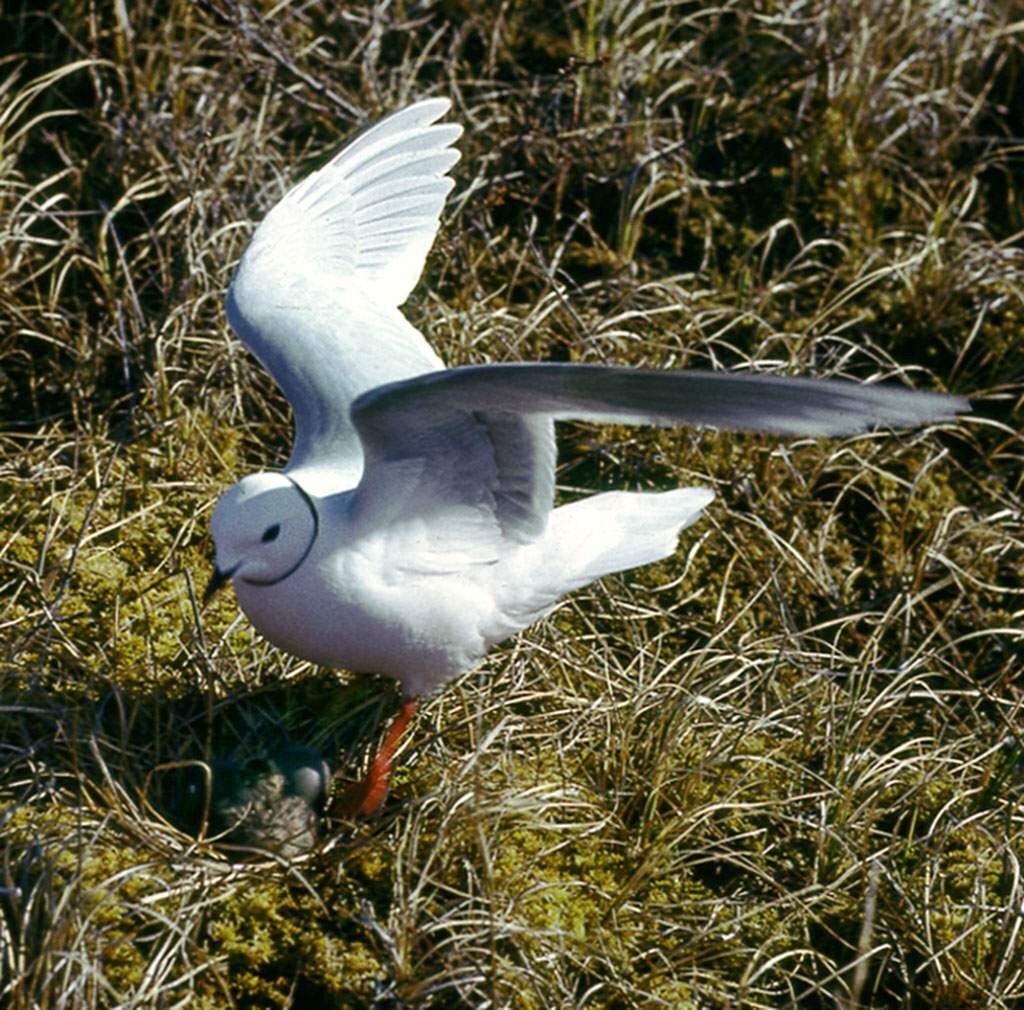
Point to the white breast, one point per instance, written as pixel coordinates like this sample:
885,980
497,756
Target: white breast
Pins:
339,610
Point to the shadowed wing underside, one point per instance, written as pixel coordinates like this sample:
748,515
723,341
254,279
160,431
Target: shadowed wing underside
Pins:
459,457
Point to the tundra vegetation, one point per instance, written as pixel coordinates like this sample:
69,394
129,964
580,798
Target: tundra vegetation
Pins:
784,767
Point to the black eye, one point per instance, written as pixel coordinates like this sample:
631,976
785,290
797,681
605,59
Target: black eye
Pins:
270,533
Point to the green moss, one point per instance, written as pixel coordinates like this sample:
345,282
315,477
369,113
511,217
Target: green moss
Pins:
100,890
110,554
265,931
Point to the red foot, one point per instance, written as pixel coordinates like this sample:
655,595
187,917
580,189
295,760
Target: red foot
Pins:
365,797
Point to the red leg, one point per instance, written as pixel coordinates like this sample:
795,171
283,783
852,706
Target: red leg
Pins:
366,797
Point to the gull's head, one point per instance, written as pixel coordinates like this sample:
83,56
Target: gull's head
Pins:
263,528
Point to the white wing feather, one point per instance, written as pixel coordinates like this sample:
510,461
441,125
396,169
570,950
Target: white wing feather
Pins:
315,296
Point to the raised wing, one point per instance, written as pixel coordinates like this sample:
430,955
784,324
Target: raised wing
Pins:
315,296
463,459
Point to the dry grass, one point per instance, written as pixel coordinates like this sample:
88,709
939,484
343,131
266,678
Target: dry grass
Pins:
782,769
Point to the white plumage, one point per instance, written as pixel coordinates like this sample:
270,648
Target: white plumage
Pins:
414,526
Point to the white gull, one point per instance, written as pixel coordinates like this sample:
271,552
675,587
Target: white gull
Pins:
414,525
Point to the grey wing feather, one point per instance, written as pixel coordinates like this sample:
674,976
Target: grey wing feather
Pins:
484,433
784,405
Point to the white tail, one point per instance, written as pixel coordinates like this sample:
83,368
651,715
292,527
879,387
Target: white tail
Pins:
593,537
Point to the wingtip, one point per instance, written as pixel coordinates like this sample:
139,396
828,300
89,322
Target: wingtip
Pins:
928,407
435,108
962,405
423,113
861,408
